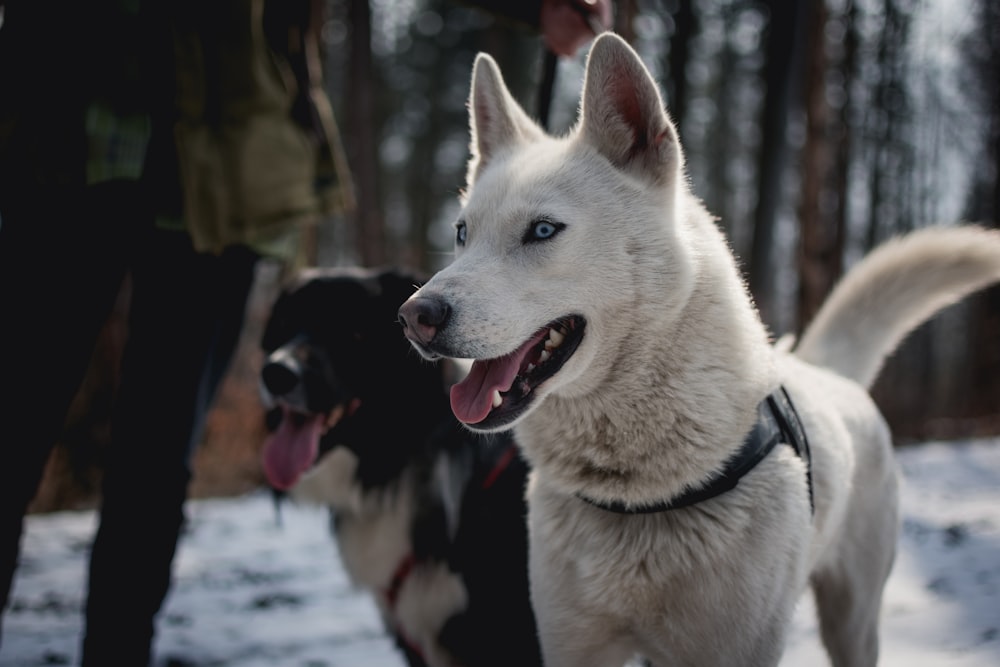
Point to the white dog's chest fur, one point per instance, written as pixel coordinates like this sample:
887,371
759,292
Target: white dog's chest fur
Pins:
625,560
668,578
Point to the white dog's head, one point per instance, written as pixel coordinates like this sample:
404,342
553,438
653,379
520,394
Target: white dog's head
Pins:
550,239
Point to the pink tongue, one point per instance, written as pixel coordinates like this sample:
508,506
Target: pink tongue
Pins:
291,449
472,398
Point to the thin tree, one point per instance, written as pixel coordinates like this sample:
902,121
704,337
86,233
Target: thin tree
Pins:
680,54
785,48
363,147
983,52
821,234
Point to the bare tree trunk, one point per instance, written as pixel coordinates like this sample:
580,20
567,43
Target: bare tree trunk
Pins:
891,163
680,54
820,249
844,138
991,11
906,388
984,350
361,120
784,50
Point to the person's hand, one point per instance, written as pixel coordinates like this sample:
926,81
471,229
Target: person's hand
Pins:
569,24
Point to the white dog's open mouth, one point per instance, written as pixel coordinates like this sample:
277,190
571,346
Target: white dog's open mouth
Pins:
497,391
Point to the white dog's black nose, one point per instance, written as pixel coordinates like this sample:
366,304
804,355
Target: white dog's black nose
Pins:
422,317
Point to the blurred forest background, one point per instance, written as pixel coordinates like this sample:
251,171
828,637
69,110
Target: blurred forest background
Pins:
814,129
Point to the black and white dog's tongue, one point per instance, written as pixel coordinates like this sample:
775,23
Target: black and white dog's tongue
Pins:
291,450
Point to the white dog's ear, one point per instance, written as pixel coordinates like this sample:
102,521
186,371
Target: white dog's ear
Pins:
622,113
496,120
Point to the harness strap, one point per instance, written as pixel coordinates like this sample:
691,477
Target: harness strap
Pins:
498,468
793,433
398,577
777,422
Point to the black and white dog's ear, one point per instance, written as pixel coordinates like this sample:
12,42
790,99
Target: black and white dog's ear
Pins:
622,113
397,286
496,120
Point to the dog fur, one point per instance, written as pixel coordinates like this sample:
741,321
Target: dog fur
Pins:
428,516
652,380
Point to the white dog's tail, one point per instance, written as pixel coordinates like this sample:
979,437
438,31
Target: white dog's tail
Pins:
893,290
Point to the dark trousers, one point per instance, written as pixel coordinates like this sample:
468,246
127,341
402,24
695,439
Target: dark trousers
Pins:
61,266
185,315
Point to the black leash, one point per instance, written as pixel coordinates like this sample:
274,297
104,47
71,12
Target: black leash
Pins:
777,423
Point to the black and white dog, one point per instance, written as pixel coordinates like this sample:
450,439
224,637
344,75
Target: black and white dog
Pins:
428,517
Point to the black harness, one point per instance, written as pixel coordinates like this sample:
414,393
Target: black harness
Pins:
777,422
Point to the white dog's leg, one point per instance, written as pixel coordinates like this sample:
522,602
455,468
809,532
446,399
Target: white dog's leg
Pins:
848,585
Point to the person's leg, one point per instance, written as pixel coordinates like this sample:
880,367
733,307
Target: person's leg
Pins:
186,315
62,260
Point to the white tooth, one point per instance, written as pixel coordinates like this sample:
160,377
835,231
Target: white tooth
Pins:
497,398
529,368
544,356
556,337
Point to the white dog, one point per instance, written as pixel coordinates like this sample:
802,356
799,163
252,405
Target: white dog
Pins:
611,327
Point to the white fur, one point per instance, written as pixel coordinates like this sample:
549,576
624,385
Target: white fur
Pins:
429,596
373,537
332,482
665,385
372,529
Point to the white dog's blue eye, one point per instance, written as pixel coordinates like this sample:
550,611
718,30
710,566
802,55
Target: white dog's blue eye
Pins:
542,229
461,232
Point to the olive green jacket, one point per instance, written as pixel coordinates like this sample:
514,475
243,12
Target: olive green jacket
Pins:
218,107
257,148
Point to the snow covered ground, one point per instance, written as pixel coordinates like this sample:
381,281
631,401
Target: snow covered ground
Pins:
251,592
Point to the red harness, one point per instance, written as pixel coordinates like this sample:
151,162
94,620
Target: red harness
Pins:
402,571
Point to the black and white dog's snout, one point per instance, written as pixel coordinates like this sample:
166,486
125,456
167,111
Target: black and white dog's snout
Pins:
280,376
282,371
422,317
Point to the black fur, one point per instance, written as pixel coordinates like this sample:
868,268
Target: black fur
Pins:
350,348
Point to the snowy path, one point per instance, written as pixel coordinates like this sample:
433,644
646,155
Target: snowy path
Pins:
249,592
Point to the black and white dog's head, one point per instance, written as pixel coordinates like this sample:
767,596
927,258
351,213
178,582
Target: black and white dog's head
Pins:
339,372
443,542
